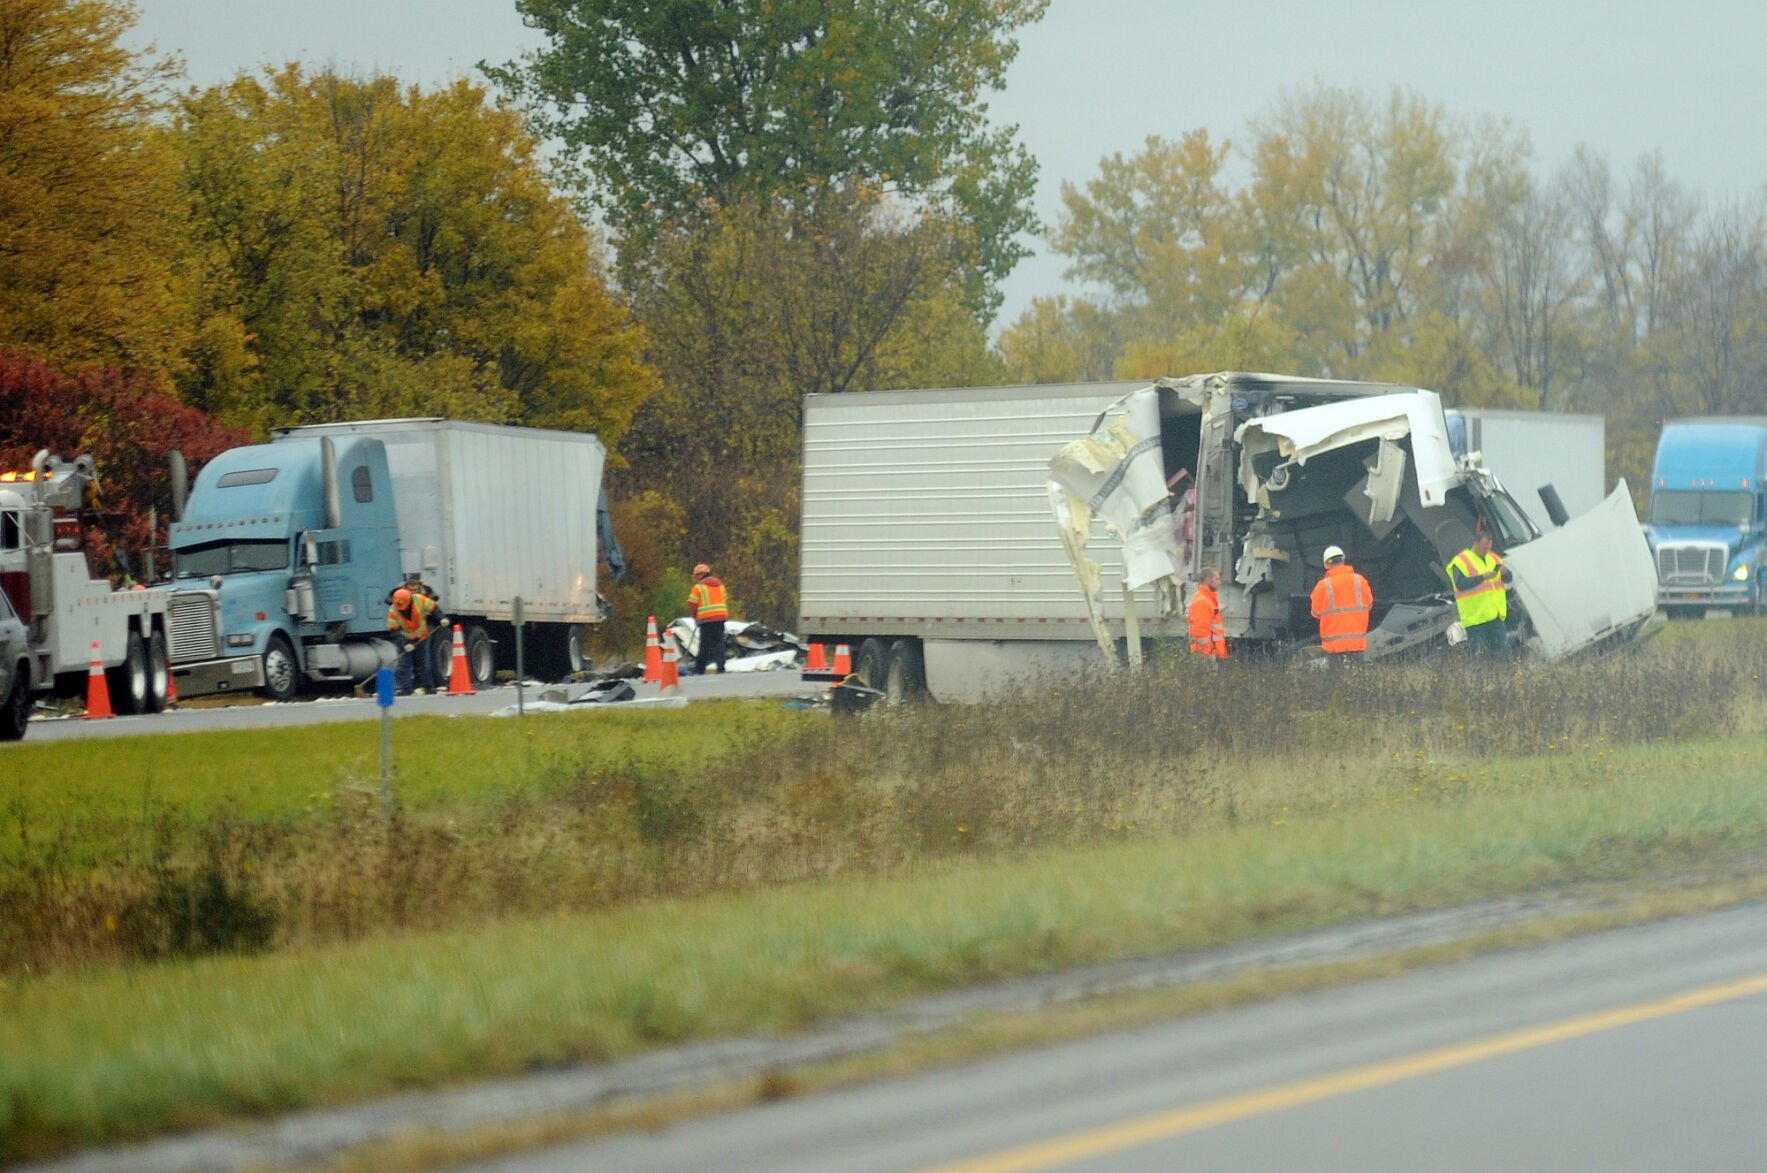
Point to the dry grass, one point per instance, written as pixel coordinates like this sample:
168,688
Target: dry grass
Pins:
569,822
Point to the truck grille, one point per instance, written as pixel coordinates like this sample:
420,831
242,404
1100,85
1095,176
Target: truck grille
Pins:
1690,565
194,636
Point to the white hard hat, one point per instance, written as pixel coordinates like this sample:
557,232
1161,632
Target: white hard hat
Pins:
1332,552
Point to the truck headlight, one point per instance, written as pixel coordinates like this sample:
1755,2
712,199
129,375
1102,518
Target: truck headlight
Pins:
240,640
1740,574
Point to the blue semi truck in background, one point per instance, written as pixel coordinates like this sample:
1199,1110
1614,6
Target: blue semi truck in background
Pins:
1708,514
302,540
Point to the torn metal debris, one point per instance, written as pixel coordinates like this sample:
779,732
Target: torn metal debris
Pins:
1255,475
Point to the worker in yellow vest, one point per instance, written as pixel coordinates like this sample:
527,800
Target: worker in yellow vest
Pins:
706,603
1481,593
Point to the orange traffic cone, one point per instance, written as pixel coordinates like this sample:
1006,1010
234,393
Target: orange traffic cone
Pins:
843,661
818,661
671,675
97,691
653,654
459,675
171,689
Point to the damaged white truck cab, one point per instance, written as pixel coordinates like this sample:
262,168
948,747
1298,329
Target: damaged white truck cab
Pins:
1256,474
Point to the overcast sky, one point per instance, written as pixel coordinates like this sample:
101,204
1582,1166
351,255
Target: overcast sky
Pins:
1094,77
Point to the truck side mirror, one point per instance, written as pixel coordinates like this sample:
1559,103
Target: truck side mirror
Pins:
309,551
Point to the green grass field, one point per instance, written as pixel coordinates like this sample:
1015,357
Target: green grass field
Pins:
198,928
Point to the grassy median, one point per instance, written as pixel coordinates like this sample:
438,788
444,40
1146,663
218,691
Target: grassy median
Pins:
195,928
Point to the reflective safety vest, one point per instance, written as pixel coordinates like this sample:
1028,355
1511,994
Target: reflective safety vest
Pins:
415,623
706,601
1479,601
1341,602
1208,637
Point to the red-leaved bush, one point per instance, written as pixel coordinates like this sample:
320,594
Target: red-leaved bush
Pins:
127,424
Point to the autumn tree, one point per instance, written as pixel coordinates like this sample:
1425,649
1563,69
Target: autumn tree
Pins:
674,106
751,307
367,250
88,219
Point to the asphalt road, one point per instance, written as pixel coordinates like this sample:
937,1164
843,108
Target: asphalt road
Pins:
1637,1049
347,707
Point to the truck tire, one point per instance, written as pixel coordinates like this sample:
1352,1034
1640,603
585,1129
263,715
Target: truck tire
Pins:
282,672
871,664
481,656
440,647
159,672
15,713
128,680
904,677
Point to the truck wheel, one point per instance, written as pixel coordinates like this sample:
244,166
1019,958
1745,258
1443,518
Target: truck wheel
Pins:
904,677
15,714
159,672
871,664
282,672
481,656
441,650
128,680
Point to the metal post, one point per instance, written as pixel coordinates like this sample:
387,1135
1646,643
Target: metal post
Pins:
520,666
383,696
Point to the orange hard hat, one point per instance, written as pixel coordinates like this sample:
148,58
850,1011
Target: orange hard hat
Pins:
702,568
402,599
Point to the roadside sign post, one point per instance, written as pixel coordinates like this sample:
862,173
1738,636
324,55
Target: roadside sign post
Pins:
383,696
520,667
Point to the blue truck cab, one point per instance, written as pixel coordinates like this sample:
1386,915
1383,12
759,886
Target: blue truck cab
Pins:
300,541
1708,514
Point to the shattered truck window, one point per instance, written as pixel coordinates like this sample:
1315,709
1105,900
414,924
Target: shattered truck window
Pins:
1513,526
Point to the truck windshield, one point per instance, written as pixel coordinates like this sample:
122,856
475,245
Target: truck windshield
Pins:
1729,508
230,558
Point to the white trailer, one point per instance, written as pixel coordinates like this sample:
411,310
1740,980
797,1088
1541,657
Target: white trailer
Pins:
1528,450
927,545
72,616
488,514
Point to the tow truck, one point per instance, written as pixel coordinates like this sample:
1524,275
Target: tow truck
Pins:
72,615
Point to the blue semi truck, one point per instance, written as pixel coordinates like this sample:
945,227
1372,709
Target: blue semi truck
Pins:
1708,514
301,541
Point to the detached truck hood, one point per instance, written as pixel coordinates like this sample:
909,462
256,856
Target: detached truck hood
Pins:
1590,582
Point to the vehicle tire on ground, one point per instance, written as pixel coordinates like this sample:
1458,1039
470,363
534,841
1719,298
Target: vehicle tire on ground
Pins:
282,672
872,662
159,672
128,680
481,657
904,677
15,710
440,646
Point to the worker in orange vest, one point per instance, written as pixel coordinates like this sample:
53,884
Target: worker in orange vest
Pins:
1341,602
412,616
707,605
1208,636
